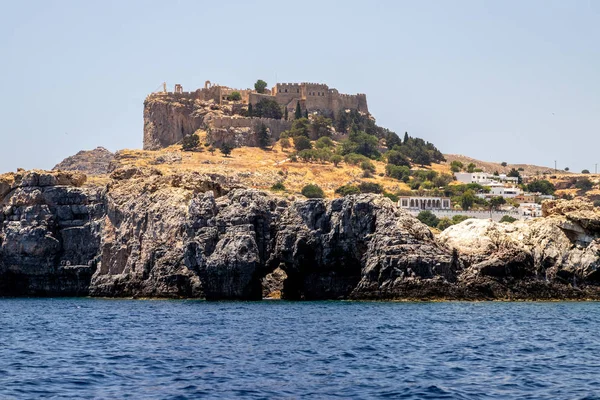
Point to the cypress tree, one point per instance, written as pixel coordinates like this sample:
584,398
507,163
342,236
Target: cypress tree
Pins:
298,113
286,114
306,114
250,109
405,137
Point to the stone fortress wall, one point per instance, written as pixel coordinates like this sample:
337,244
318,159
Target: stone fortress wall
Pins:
167,125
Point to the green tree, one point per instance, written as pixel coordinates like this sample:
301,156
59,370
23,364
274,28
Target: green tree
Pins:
395,157
402,173
368,168
361,143
264,137
336,159
496,202
471,168
324,142
456,166
226,149
320,126
235,96
585,171
467,200
306,114
346,190
405,138
212,150
504,163
313,192
302,143
428,218
515,174
267,108
285,113
298,113
260,86
567,169
250,110
542,186
300,127
190,142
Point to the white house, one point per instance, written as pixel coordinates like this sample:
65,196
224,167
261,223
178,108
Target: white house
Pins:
425,203
482,178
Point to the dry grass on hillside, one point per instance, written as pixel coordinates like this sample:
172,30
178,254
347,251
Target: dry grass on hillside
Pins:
257,168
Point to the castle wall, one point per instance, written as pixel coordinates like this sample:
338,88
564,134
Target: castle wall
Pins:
276,126
254,98
286,92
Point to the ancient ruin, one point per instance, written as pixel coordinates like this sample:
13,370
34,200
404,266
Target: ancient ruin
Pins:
170,116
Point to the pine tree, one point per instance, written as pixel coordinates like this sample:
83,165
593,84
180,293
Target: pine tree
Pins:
264,138
298,113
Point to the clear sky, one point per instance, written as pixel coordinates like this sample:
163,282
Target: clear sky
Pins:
515,81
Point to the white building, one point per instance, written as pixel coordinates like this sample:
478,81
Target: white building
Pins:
499,190
532,210
483,178
425,203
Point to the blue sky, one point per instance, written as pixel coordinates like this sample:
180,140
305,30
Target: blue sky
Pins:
515,81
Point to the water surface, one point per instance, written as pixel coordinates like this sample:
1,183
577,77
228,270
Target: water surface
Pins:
107,349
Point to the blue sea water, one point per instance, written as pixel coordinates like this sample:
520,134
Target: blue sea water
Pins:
151,349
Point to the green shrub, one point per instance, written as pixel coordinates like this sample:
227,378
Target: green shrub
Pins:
367,166
391,196
336,159
313,192
402,173
346,190
444,223
584,184
542,186
279,186
370,187
226,149
235,96
394,157
508,218
355,159
324,142
302,143
190,142
428,218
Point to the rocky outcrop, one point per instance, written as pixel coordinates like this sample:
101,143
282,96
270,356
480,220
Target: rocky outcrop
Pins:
359,246
50,234
559,254
89,162
147,234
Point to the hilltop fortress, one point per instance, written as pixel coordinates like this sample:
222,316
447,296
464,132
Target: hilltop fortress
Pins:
169,116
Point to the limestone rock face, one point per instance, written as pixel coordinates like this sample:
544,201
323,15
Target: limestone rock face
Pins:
148,234
90,162
50,233
167,121
359,246
561,248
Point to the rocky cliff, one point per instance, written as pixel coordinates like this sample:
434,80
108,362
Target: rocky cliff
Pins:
149,234
90,162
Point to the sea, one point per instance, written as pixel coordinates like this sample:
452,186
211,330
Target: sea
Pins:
81,348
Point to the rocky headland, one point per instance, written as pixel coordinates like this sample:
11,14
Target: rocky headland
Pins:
188,234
